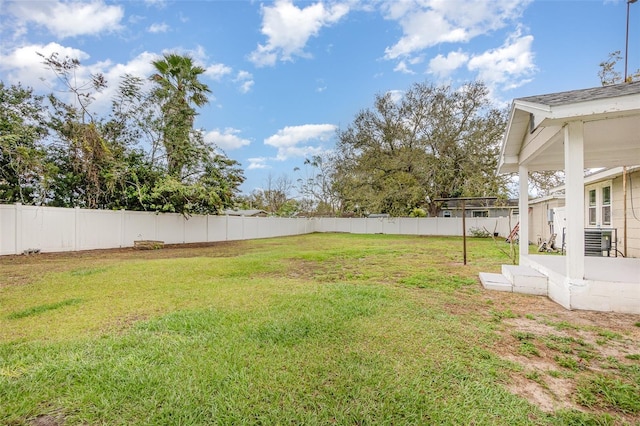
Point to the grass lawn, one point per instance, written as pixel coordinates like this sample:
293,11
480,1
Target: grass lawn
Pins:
317,329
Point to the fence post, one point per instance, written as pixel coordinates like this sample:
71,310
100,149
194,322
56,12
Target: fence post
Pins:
18,228
184,228
76,225
122,218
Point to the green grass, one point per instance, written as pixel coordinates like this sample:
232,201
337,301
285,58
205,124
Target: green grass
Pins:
319,329
36,310
606,391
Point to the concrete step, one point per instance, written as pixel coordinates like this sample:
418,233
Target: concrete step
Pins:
495,282
525,279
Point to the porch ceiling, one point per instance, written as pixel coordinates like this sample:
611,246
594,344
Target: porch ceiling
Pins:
611,117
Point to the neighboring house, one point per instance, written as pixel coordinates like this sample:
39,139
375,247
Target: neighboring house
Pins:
604,195
247,213
479,208
546,217
574,131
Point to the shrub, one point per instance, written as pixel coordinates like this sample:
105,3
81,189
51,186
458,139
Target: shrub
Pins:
479,233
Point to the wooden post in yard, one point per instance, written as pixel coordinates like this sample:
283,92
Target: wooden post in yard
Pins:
464,232
464,221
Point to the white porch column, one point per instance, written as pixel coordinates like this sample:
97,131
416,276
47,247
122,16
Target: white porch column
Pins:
523,207
574,197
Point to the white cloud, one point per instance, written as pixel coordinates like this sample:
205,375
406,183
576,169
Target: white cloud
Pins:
69,19
403,68
426,23
227,139
158,28
443,66
246,86
289,141
288,28
257,163
508,66
245,80
24,65
217,71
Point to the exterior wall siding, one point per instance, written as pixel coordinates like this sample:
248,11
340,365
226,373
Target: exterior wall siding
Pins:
633,213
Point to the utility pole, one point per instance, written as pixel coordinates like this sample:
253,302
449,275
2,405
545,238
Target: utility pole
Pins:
626,41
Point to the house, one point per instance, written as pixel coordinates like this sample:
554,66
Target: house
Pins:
605,192
547,217
480,208
573,131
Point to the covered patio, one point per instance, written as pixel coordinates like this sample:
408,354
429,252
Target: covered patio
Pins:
572,131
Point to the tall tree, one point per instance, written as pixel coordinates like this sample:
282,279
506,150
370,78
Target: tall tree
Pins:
436,141
83,160
179,92
317,183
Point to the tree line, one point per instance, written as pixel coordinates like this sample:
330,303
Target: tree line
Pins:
397,157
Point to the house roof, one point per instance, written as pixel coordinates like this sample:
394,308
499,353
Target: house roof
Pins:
252,212
535,131
583,95
454,203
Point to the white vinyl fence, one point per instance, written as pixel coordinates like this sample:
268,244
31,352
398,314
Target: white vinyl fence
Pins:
52,229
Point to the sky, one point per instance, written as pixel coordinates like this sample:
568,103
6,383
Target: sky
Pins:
286,75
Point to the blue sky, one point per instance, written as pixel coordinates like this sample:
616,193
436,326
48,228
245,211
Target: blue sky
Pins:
286,74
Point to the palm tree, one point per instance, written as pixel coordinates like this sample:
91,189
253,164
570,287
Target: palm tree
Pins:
179,91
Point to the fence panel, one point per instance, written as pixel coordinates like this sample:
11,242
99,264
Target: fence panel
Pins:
138,226
98,229
195,229
8,229
235,228
408,226
391,225
49,228
169,228
217,228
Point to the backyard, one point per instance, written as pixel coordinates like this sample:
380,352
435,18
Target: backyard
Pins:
313,329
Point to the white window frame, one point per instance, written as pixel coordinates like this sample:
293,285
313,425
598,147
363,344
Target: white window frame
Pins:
595,211
480,213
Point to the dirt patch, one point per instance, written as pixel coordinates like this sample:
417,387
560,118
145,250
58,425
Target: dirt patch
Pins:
47,420
557,349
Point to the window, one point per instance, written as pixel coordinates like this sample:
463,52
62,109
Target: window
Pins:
592,207
480,213
599,204
606,205
446,213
